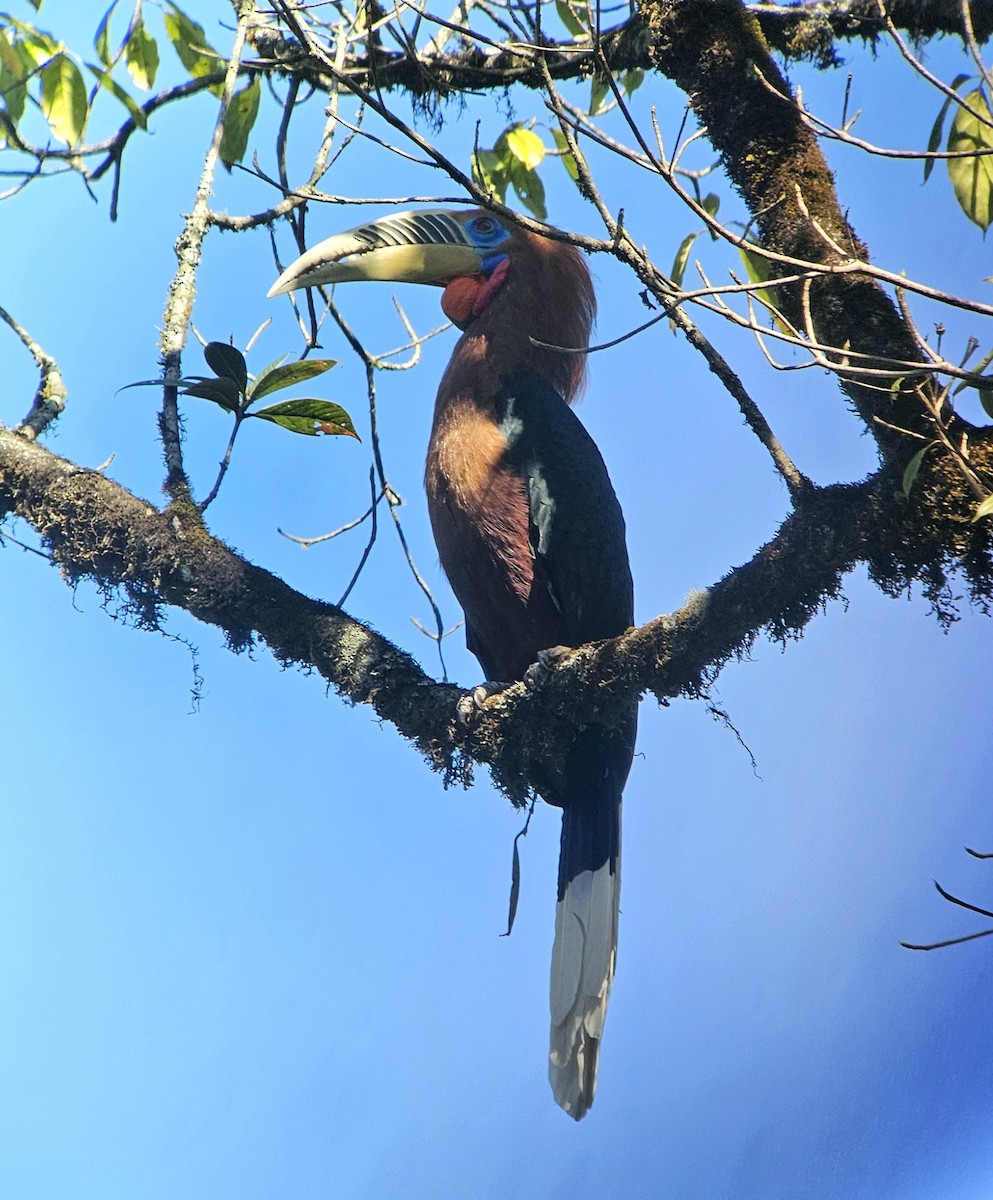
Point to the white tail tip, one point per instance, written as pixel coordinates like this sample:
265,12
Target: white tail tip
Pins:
583,959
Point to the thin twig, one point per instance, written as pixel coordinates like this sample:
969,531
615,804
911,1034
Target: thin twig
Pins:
224,464
916,64
970,38
624,249
391,497
374,529
983,912
824,128
50,396
179,305
957,941
306,542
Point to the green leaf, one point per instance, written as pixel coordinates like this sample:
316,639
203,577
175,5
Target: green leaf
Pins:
710,204
756,266
489,173
107,81
242,111
530,189
267,370
572,17
972,177
310,416
986,400
277,377
142,56
36,46
142,383
223,392
101,39
977,371
512,162
914,466
759,270
568,158
599,90
515,888
934,141
984,510
227,363
13,70
63,99
525,146
190,43
631,80
682,257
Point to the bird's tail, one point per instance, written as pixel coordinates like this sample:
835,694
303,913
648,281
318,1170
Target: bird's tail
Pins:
583,959
585,950
589,894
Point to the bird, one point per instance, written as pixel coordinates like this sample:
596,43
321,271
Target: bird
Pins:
530,534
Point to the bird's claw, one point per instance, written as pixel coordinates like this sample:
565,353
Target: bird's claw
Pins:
468,706
535,675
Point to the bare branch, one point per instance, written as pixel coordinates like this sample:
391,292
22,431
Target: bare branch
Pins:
49,399
179,306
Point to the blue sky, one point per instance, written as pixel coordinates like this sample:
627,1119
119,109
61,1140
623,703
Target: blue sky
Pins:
251,950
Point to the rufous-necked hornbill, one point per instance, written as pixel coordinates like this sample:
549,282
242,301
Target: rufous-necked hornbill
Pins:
530,535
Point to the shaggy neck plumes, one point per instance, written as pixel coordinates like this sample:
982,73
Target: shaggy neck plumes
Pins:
547,296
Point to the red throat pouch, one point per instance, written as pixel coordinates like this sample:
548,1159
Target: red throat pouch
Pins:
458,302
466,296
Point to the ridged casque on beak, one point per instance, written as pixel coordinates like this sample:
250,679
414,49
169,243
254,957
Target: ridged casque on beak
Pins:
415,247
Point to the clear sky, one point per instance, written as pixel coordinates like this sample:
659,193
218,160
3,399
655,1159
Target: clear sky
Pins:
250,948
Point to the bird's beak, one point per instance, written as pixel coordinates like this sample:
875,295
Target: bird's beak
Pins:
417,247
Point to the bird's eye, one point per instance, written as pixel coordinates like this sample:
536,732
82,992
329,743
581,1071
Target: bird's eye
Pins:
485,226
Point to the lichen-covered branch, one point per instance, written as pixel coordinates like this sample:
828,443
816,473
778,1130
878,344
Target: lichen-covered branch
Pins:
813,29
95,529
179,304
429,78
50,398
809,32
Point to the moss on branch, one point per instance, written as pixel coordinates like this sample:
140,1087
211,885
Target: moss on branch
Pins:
95,529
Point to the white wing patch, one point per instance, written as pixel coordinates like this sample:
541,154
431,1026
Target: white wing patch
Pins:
583,959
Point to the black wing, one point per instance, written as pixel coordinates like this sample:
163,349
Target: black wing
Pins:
577,528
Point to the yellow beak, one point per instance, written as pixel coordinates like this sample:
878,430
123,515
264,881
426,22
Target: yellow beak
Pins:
419,247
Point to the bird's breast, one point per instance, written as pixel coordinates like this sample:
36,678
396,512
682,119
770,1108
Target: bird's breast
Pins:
466,457
478,504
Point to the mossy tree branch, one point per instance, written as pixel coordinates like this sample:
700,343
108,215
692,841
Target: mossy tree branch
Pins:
807,33
95,529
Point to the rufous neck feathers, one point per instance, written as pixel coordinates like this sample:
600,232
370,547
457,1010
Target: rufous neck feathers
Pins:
543,294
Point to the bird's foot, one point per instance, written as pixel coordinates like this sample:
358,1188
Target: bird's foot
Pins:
536,674
468,706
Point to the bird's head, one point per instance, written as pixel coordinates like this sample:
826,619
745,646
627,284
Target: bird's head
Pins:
542,285
434,246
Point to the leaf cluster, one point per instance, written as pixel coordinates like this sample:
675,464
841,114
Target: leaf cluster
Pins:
232,388
38,73
513,162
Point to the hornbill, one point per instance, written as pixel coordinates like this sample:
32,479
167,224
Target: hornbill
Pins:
530,535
